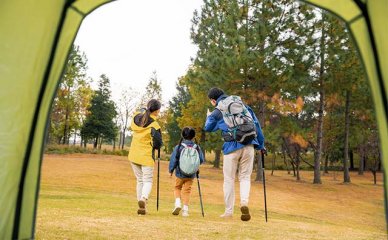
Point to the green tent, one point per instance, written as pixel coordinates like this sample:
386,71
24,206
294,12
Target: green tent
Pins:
35,40
36,37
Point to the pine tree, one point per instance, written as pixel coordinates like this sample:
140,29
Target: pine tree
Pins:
176,105
153,90
99,124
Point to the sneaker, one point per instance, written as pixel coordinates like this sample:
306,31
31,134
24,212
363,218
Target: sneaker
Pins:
142,205
226,215
185,213
245,216
176,210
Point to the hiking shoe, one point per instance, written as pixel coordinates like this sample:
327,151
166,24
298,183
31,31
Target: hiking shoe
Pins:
226,215
245,216
176,210
142,205
185,213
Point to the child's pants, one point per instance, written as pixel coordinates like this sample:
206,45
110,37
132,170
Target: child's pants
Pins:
243,158
144,176
183,189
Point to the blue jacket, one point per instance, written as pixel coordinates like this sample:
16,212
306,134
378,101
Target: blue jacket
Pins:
215,122
174,163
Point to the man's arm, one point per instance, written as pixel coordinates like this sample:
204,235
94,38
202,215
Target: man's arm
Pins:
211,124
259,132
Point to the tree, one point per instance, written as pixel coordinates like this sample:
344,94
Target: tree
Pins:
176,105
153,90
126,106
99,123
83,96
194,114
72,97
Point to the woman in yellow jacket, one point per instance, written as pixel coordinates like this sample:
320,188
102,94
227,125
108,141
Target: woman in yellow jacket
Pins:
146,135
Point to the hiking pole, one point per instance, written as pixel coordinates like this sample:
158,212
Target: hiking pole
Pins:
265,194
157,185
200,195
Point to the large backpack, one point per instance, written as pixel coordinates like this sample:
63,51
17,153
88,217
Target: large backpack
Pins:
188,161
241,127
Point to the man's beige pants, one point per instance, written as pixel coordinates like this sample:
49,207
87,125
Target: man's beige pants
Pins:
243,159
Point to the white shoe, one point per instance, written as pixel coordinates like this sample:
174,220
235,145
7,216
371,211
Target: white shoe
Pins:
226,215
176,210
185,213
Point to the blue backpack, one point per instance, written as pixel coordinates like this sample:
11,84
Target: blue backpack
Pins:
188,161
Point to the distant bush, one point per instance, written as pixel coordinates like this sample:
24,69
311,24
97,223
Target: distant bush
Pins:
64,149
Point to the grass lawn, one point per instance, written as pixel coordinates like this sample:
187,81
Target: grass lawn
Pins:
88,196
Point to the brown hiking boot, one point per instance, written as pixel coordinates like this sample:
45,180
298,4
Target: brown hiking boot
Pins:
142,205
245,216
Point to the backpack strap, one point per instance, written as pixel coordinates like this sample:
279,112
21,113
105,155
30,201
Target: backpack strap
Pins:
184,144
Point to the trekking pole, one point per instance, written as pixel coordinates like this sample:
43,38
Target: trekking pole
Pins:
265,194
157,186
200,195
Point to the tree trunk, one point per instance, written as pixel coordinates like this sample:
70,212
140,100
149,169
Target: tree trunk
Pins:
95,142
217,159
261,115
66,126
125,127
289,155
123,140
75,136
100,143
318,152
297,162
325,168
273,162
285,159
374,177
361,164
114,143
346,147
293,168
259,173
119,143
351,159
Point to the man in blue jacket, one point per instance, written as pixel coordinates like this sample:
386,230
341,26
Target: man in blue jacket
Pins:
236,156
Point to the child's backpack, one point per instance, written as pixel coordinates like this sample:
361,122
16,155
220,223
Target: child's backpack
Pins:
189,159
241,127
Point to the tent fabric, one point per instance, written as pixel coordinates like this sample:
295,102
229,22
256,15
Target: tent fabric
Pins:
367,22
35,41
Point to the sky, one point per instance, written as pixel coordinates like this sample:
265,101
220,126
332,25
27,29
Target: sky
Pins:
128,40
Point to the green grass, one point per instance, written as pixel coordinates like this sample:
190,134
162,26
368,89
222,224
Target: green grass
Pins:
93,197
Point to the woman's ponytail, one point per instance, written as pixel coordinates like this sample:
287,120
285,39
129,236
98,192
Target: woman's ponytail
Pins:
152,106
145,117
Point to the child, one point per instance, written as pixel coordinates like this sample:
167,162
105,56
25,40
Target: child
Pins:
184,172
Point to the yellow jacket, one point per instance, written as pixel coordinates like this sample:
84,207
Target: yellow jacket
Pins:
140,151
